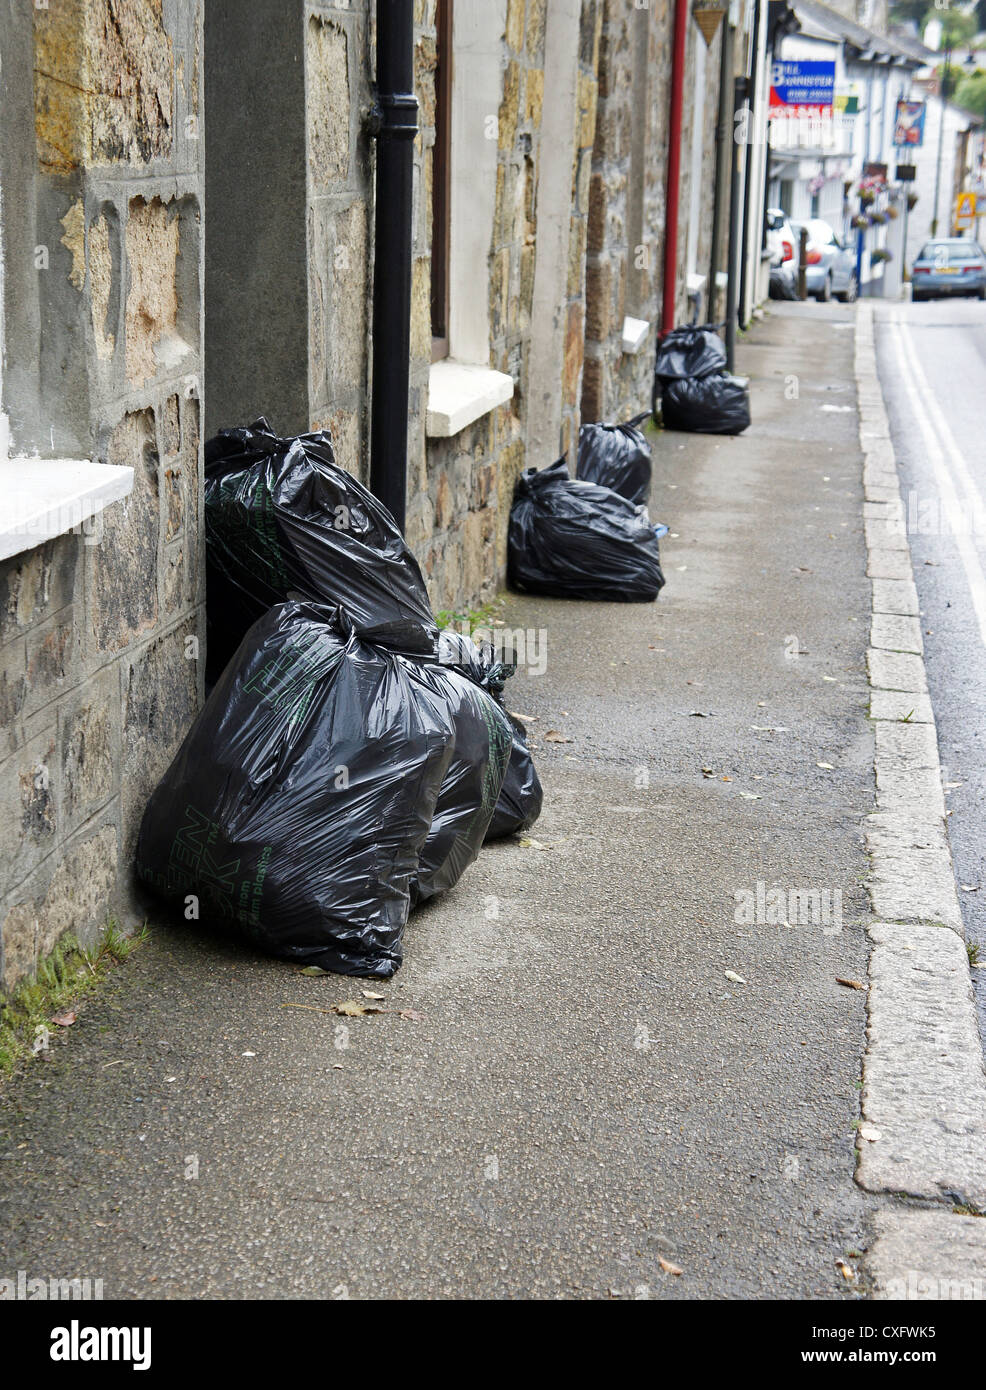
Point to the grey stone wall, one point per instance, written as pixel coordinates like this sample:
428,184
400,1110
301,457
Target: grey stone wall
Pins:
98,671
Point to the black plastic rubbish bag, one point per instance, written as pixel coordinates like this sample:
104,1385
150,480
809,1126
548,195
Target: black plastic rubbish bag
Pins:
573,539
468,798
298,805
692,350
616,456
521,796
717,404
283,520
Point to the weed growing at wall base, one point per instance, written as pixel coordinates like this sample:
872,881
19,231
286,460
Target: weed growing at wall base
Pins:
65,976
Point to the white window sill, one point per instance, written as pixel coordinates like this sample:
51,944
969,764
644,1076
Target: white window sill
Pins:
459,393
635,333
42,498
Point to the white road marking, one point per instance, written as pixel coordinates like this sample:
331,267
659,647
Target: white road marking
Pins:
942,448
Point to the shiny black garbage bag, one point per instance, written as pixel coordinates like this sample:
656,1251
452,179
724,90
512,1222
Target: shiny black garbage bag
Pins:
282,520
616,456
693,350
468,797
572,539
718,404
521,795
298,805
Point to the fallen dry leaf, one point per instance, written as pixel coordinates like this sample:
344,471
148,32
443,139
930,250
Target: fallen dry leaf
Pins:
870,1133
751,796
708,772
525,718
528,843
847,1271
312,970
849,984
827,766
369,994
668,1267
555,736
736,979
65,1019
351,1008
412,1015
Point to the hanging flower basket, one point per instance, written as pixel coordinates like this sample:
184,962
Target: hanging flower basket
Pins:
866,196
893,213
860,222
879,256
879,219
912,199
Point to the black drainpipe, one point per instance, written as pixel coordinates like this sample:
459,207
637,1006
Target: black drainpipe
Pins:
395,124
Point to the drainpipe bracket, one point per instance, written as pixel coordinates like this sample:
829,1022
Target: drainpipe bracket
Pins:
393,116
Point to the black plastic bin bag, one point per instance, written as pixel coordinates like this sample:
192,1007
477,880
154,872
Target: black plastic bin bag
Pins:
284,520
521,795
298,805
692,350
617,457
717,404
572,539
468,797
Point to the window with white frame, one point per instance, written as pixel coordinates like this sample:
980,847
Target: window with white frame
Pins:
462,386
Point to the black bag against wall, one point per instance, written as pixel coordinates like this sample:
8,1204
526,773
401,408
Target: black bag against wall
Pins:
521,795
573,539
617,457
283,519
298,805
717,404
689,351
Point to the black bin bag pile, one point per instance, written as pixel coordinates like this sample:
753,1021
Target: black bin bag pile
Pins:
695,390
575,539
350,761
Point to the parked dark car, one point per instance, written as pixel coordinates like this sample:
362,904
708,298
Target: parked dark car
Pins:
949,265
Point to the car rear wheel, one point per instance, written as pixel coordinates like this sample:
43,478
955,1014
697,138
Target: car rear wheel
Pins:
849,294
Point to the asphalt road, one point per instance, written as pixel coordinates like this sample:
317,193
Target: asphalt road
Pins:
588,1093
932,362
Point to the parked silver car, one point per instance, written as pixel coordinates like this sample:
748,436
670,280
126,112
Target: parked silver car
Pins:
830,270
949,265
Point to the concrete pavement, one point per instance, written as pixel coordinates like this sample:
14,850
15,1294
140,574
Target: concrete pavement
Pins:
630,1057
